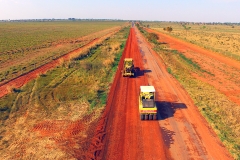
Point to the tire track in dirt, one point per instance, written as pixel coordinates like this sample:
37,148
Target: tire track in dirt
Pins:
118,123
32,92
186,132
96,149
127,137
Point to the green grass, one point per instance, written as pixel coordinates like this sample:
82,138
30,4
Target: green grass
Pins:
39,39
169,70
212,104
215,107
25,35
72,81
72,93
116,61
189,61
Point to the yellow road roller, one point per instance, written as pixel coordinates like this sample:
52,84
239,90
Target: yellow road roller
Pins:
147,104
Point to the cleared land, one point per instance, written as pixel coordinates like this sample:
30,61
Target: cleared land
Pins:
26,46
55,115
211,79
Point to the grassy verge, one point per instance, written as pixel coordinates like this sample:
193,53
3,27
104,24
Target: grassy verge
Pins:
72,91
91,74
214,106
220,38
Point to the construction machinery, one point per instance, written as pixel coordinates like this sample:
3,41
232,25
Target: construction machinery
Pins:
128,67
147,104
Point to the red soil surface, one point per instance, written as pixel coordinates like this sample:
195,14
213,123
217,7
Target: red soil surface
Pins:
226,71
67,135
124,135
25,78
180,133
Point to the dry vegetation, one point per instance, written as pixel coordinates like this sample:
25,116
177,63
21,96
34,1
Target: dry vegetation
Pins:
54,116
221,113
223,39
205,80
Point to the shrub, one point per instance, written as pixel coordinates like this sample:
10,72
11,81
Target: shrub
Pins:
168,29
152,37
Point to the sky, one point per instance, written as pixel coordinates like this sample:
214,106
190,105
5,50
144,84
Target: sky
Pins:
160,10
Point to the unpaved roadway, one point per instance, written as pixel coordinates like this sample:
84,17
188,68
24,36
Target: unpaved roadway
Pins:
127,136
185,132
180,133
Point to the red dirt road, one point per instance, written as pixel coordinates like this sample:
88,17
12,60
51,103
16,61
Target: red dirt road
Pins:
129,138
180,133
125,136
185,131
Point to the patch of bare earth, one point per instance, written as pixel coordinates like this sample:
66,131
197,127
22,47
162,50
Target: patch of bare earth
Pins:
19,81
223,73
53,133
37,134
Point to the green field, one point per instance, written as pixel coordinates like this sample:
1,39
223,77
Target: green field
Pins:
76,90
23,35
27,45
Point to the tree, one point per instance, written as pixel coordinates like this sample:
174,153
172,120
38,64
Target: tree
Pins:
168,29
186,28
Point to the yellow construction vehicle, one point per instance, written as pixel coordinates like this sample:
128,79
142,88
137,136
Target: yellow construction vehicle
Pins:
147,104
128,67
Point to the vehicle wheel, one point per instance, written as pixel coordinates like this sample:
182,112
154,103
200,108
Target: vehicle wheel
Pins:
155,117
151,117
146,117
142,116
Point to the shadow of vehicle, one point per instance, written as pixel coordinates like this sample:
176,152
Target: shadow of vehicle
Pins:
167,109
138,72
